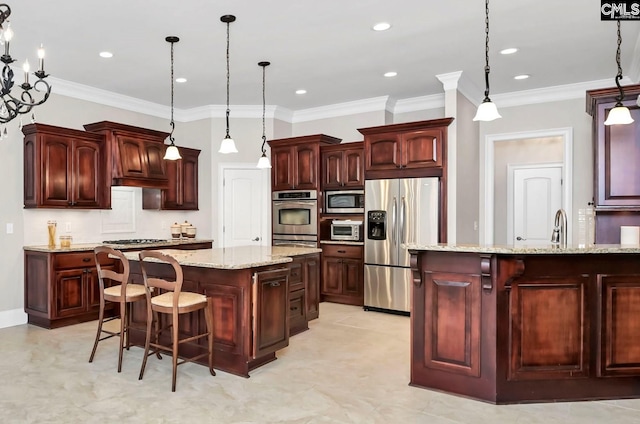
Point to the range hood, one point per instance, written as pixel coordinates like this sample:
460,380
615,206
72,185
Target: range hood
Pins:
134,156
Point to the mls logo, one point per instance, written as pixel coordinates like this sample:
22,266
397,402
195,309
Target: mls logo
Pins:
618,10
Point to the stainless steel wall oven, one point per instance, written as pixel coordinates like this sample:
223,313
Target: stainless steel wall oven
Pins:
295,217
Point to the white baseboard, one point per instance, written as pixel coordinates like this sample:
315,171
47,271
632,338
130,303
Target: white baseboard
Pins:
12,318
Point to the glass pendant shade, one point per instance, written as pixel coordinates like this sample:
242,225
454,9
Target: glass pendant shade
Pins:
263,162
172,153
487,111
619,115
228,146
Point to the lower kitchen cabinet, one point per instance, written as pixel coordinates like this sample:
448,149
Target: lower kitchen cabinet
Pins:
343,274
304,292
62,288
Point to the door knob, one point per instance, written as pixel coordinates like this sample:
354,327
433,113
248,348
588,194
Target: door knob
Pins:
520,238
256,239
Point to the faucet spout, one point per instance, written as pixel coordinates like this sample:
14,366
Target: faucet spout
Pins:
559,234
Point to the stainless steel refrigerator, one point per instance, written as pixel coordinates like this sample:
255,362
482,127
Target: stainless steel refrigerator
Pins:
397,212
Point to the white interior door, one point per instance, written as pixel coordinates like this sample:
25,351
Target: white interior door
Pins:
537,195
244,213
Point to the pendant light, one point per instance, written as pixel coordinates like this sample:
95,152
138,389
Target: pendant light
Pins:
172,152
263,162
619,115
487,111
228,145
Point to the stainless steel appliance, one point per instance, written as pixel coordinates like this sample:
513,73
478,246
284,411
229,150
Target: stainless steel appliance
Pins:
397,212
346,229
344,201
295,217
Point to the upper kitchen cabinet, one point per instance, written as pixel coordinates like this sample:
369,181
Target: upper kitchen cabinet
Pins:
135,154
295,161
616,162
182,193
342,166
64,168
412,149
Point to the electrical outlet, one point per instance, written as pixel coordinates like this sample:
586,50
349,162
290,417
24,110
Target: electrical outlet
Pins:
67,227
9,228
475,225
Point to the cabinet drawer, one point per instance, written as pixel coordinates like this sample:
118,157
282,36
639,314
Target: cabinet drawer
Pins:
295,277
78,260
341,250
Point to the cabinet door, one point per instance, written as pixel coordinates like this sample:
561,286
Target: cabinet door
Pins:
86,175
56,170
297,312
132,157
305,167
153,156
332,168
382,152
312,274
352,278
331,275
353,168
70,293
188,171
270,320
171,195
282,168
421,149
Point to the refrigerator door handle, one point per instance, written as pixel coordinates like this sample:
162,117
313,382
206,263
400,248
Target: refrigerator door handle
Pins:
393,220
403,219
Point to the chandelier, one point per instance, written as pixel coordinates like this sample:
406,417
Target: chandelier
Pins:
14,104
487,111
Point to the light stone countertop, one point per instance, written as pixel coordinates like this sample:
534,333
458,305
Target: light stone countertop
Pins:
240,257
529,250
82,247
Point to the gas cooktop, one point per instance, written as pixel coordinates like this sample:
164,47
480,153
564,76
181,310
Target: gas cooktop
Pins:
135,241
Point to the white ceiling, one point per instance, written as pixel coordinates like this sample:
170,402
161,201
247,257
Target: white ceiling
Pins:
324,46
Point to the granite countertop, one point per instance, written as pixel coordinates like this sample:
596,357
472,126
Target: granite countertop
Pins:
234,257
530,250
82,247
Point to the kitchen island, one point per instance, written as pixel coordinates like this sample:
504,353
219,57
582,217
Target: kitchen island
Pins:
509,324
251,299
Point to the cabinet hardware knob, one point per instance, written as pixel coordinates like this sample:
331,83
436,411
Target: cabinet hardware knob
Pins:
275,284
342,251
86,259
256,239
520,238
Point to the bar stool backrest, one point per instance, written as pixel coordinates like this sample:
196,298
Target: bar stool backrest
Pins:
150,282
120,277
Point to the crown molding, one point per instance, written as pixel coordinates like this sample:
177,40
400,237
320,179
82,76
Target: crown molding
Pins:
450,80
374,104
413,104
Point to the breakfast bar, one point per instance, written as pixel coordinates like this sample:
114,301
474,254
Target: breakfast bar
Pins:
507,324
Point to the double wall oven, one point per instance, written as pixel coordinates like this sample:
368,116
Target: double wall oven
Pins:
295,218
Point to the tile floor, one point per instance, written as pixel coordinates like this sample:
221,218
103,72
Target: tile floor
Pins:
350,367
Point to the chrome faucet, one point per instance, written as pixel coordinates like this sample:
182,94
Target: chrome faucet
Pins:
559,235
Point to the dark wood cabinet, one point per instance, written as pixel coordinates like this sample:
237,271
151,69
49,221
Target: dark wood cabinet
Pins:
342,166
304,291
182,192
64,168
270,311
616,161
413,149
295,162
135,154
343,274
312,286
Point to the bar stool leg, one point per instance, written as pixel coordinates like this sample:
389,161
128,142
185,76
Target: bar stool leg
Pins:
147,340
100,321
174,343
208,315
123,312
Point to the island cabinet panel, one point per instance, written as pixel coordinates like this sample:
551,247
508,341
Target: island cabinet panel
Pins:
619,325
270,311
552,326
312,286
304,288
549,329
453,326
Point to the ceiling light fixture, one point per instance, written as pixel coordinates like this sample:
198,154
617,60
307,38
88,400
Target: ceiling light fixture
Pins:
263,162
14,104
301,91
619,115
228,145
181,80
381,26
487,111
390,74
172,152
510,50
521,77
106,55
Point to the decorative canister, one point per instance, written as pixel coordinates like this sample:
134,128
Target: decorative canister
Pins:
176,230
51,230
65,242
183,228
191,231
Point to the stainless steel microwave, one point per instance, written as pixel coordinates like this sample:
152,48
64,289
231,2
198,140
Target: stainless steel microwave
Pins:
344,201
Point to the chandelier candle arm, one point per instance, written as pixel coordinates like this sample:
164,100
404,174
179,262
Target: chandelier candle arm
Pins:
172,152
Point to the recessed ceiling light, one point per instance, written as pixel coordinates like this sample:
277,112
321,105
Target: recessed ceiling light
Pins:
381,26
521,77
390,74
106,54
301,91
510,50
181,79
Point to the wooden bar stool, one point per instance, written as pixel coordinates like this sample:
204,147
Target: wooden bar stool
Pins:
171,300
124,294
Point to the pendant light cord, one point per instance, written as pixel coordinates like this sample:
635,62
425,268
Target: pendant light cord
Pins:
227,114
486,51
619,74
264,108
173,125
